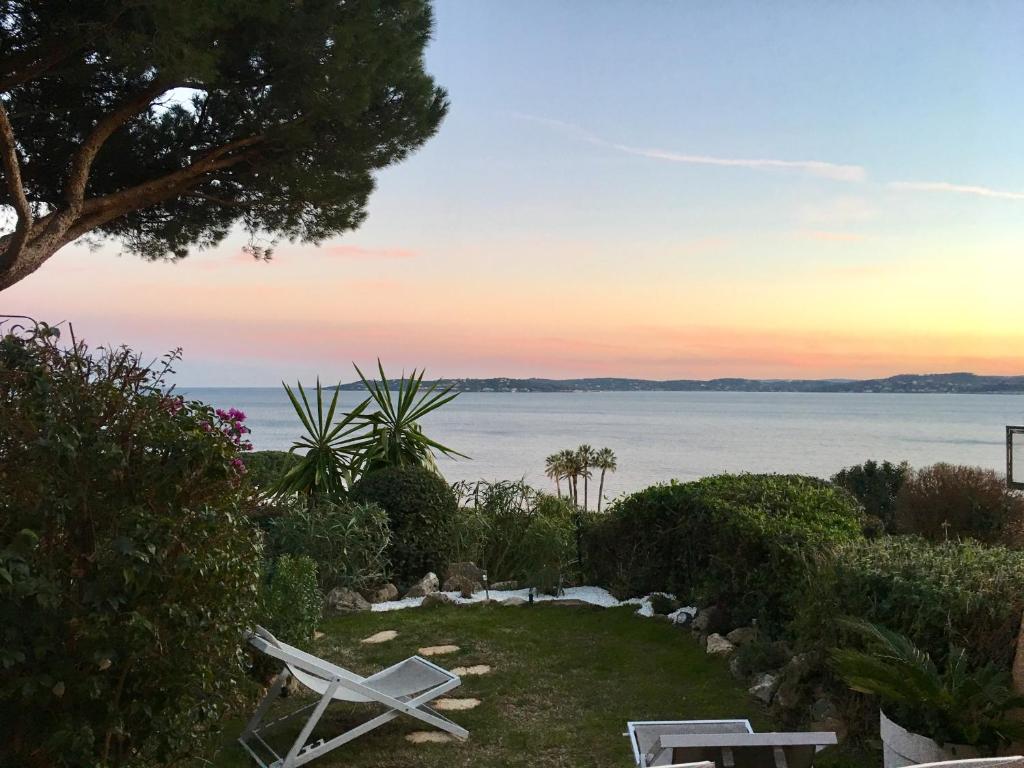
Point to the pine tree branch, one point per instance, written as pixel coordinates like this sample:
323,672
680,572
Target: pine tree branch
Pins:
12,175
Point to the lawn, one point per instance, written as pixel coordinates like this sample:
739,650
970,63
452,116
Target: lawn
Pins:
564,681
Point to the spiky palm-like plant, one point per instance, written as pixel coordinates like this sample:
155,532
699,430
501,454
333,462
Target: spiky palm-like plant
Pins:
605,461
956,705
585,455
331,447
396,438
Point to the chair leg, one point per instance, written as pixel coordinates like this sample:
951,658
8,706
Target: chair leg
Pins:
300,741
261,709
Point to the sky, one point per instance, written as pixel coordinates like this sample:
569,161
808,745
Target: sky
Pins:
641,189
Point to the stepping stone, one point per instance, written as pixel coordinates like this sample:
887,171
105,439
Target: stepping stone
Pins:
479,669
438,650
454,705
380,637
317,635
428,737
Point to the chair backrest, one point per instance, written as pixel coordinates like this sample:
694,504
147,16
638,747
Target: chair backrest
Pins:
298,661
1017,761
749,750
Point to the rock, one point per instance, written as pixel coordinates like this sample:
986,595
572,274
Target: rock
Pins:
741,635
764,687
462,585
343,600
788,695
709,621
435,599
716,645
382,595
682,618
424,586
514,601
736,668
463,577
505,585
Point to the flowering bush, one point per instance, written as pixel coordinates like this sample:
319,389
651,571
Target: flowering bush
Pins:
126,567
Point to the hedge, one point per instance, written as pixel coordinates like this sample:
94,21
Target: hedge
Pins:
743,541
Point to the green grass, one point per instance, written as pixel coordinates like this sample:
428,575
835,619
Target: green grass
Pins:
563,684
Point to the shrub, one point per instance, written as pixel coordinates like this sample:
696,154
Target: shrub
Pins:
515,532
292,602
946,500
265,468
875,486
348,541
743,540
126,568
957,593
954,705
421,510
760,655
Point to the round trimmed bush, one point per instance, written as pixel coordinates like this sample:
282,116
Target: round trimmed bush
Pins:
946,501
421,509
744,541
127,569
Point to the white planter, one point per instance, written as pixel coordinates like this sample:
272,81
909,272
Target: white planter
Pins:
901,748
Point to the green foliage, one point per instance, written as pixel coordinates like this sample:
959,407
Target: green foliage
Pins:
744,540
348,541
960,594
126,567
396,438
946,501
515,532
265,468
330,448
422,512
285,112
761,655
875,486
292,602
957,705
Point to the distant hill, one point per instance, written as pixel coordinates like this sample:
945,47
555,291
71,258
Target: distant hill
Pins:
934,383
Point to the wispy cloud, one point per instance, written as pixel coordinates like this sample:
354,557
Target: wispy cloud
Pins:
834,171
960,189
358,252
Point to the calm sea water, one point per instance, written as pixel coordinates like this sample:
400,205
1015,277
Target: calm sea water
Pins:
662,435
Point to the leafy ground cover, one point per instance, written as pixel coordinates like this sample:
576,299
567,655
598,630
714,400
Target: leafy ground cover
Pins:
564,681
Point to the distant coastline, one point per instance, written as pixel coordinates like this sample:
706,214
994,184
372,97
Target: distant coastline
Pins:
908,383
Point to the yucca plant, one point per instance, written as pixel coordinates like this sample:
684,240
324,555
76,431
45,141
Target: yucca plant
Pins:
333,449
954,705
396,438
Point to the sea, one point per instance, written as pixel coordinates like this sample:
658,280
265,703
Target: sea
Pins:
659,436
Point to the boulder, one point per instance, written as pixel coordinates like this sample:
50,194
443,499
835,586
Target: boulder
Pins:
341,600
742,635
424,586
461,576
514,601
382,595
505,585
435,599
764,687
824,709
716,645
710,620
462,585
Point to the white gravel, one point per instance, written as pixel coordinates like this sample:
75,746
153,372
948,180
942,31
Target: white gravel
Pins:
593,595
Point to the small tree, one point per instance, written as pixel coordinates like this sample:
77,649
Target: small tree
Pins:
165,123
127,569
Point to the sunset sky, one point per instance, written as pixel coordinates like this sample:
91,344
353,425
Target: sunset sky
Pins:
649,189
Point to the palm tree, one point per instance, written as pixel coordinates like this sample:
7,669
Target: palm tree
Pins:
585,456
571,469
605,461
553,469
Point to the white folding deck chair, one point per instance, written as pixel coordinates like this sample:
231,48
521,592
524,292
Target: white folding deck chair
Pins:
645,737
405,689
